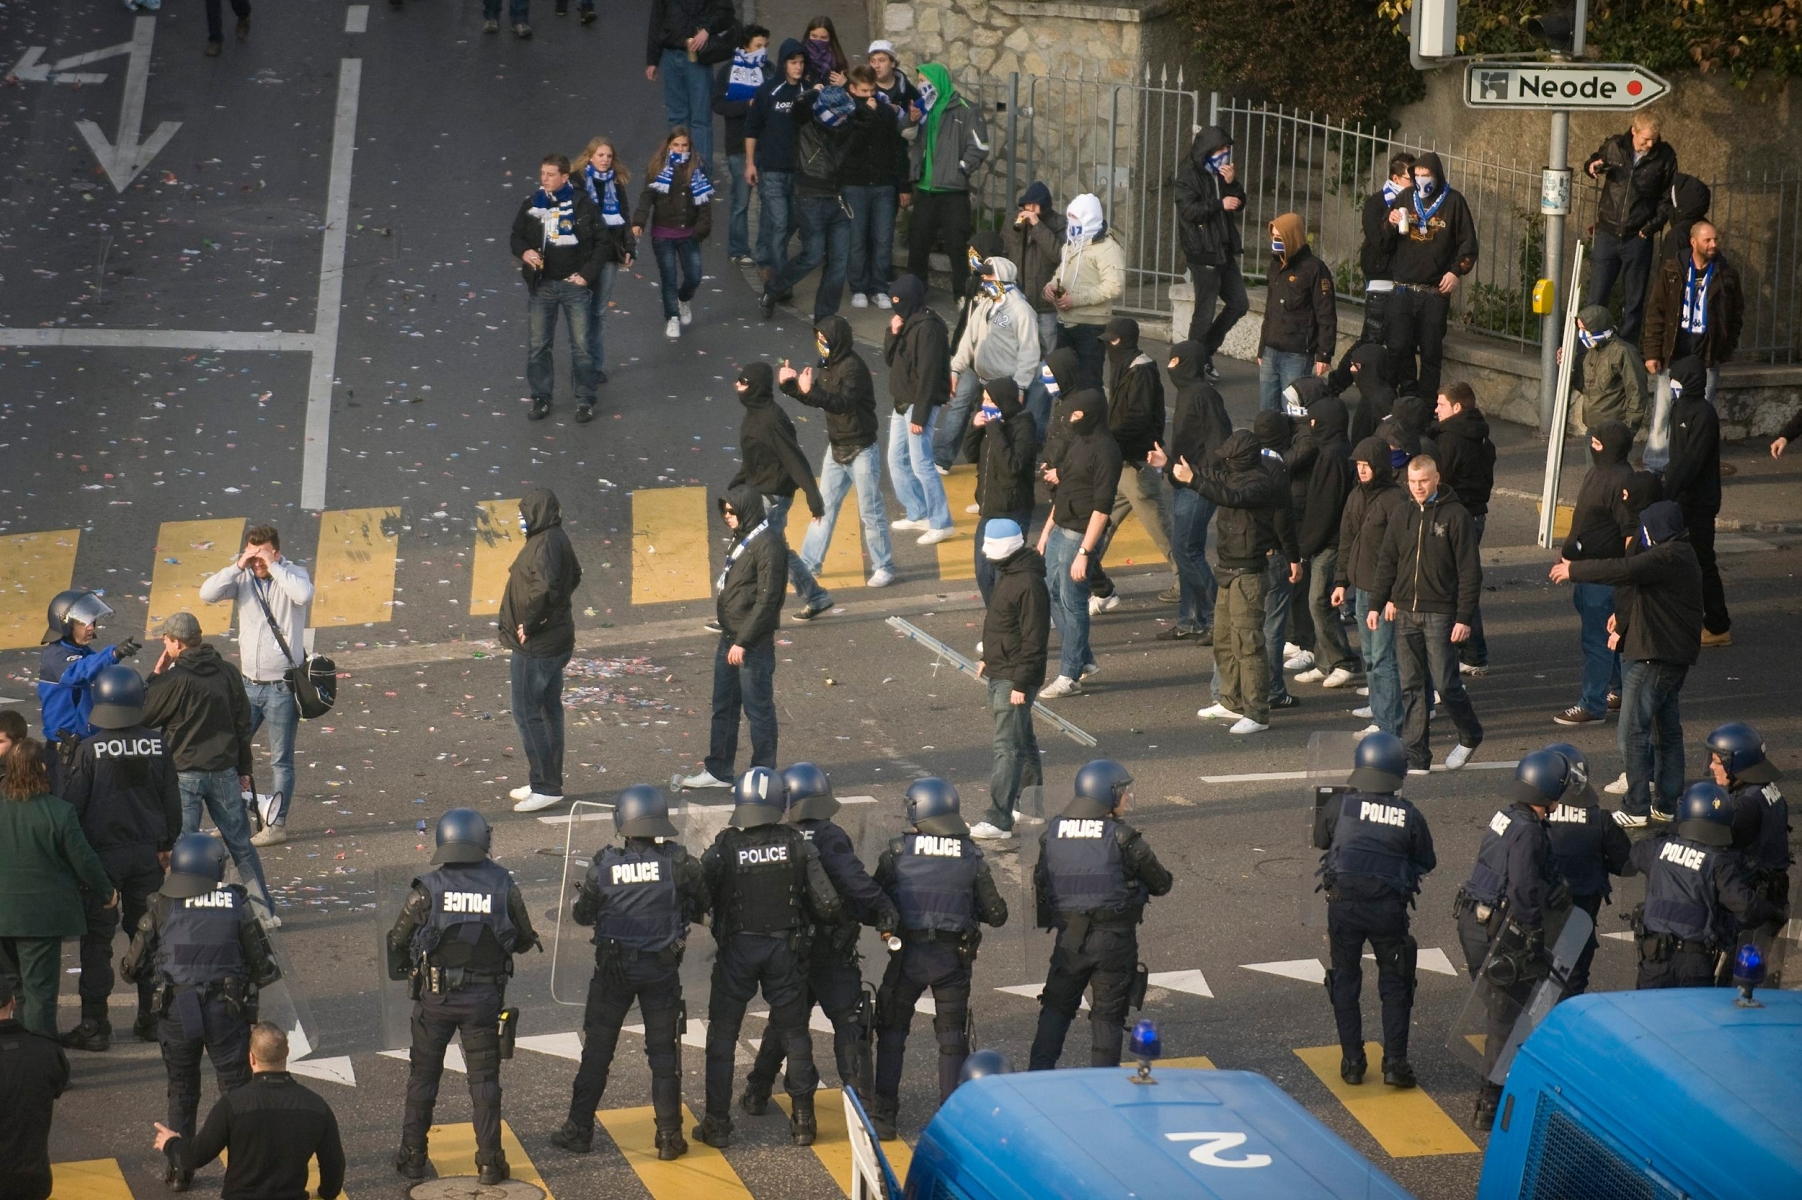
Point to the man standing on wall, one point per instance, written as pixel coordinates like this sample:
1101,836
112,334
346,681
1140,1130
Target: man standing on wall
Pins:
1636,170
1433,244
1209,200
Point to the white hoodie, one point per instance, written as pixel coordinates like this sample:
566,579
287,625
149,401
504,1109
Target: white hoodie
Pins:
1002,336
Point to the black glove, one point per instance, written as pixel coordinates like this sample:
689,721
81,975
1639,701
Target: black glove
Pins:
127,648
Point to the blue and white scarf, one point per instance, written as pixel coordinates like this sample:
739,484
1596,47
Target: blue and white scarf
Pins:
698,185
557,211
1391,190
929,96
833,107
1428,212
719,585
1218,160
1049,381
747,75
603,191
1591,340
1695,299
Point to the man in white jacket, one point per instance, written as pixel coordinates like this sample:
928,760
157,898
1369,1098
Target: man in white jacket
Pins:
267,589
1001,338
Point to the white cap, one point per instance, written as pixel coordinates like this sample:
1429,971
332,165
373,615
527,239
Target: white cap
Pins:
882,46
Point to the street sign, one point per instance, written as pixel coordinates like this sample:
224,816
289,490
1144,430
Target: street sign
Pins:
1555,85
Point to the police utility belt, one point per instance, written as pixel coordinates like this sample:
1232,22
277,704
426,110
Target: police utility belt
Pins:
1465,902
235,990
669,956
439,980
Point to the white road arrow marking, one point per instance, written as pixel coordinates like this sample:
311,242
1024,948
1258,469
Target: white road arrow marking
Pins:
563,1045
453,1058
29,70
124,160
1308,970
1431,959
1192,982
332,1070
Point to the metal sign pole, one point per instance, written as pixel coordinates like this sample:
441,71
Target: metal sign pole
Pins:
1554,201
1554,448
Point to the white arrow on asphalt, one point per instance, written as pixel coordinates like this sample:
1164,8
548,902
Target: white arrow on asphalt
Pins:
1308,970
30,70
453,1058
123,161
563,1045
1192,982
332,1070
1431,959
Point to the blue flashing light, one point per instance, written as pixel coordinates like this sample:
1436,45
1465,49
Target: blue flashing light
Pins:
1748,973
1145,1041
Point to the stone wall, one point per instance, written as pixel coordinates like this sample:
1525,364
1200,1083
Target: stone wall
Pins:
1109,42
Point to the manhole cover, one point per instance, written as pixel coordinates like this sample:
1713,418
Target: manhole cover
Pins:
465,1187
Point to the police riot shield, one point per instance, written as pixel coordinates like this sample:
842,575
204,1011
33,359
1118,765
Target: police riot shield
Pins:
284,1003
392,886
702,824
1031,813
590,829
1512,995
1329,765
876,825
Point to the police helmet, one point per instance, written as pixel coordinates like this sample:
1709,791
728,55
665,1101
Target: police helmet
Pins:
1705,814
1578,791
1101,785
196,866
758,798
933,806
1741,752
1540,779
809,793
78,606
463,837
982,1063
642,810
118,698
1380,764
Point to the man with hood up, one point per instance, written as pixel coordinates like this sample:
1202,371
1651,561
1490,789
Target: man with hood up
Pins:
1433,243
1595,533
1368,370
1000,340
537,623
1290,459
1372,506
1329,485
1086,474
950,141
1135,416
1614,373
918,354
770,460
1460,433
1036,243
1409,428
1058,380
1301,317
841,387
747,611
1091,275
1004,445
1693,479
1016,632
1198,426
1209,200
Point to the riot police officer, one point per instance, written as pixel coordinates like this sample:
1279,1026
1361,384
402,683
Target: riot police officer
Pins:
942,887
201,944
123,787
1587,847
767,888
834,976
1696,886
455,939
66,672
1502,906
1737,760
640,898
1377,847
1094,877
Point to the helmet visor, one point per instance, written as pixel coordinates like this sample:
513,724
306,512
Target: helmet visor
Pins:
88,610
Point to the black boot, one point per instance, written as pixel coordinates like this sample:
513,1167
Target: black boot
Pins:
801,1124
494,1171
714,1130
1352,1069
1488,1100
756,1100
882,1117
1398,1072
573,1138
177,1180
670,1144
410,1161
94,1033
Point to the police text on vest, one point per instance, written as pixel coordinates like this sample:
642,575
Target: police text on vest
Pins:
1079,829
638,872
1687,857
468,902
943,847
1382,814
753,856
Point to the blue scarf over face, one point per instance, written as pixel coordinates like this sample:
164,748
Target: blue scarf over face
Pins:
749,69
698,185
833,107
1427,212
557,210
1391,190
603,191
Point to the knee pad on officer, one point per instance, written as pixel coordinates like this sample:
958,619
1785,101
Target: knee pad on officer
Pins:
482,1054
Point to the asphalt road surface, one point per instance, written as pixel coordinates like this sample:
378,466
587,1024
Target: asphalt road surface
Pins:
243,321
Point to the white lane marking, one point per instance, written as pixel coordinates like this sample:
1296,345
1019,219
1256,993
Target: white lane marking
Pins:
1192,982
159,339
453,1058
569,819
563,1045
124,159
1308,970
30,70
356,19
1278,776
1431,959
332,1070
331,288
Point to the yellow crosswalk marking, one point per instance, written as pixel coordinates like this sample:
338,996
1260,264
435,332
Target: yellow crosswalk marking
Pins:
670,545
34,567
957,557
186,553
94,1179
353,575
1404,1121
843,567
498,540
1200,1061
701,1174
1132,546
453,1152
832,1144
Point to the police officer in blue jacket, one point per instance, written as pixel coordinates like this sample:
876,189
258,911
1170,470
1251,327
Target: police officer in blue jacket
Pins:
1738,762
767,888
202,945
455,940
1587,847
834,976
942,887
640,898
1094,876
1377,846
66,672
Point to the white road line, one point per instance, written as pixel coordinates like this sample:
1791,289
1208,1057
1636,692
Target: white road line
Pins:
577,819
161,339
356,19
1279,776
123,159
331,289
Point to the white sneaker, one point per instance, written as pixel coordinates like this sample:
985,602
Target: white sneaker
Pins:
1618,787
1290,649
990,833
1338,679
1364,691
1101,604
1311,675
1363,714
978,649
941,470
1418,771
1218,712
1090,670
973,509
705,779
933,537
672,328
520,792
1301,660
1247,725
859,300
903,525
1060,687
881,577
537,801
1459,756
271,835
882,300
1627,820
686,314
1367,731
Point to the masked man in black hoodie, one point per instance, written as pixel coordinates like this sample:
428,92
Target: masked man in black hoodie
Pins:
1086,474
918,352
537,623
1692,478
1373,505
747,612
1329,484
1290,459
1595,533
1433,242
1004,445
1016,633
1467,466
1198,426
841,387
1135,416
1209,212
770,460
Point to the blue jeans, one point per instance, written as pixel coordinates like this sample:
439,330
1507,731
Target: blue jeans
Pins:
953,419
1069,602
1277,369
670,252
1017,763
775,510
1038,397
688,100
985,570
1190,514
775,191
910,471
1380,671
1628,259
517,11
1651,735
1091,355
872,237
738,227
538,714
836,479
574,302
825,238
1601,666
750,689
219,792
273,704
597,319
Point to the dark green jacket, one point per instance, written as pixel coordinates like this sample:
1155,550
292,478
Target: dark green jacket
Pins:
44,863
